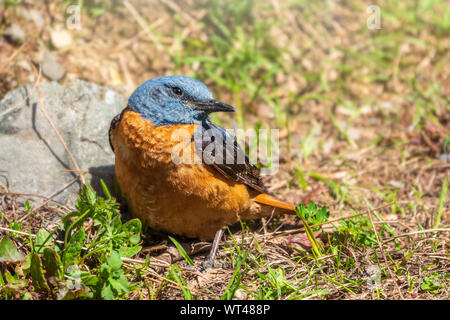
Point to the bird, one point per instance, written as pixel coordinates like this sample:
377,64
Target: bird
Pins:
187,198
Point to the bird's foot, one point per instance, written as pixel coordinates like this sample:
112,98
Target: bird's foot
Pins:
211,263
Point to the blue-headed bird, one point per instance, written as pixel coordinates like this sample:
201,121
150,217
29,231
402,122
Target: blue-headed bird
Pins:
193,199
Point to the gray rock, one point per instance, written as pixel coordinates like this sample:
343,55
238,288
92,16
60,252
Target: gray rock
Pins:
32,154
444,157
14,34
51,68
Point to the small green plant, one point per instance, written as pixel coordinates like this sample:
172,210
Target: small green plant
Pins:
357,231
27,206
15,225
433,283
299,178
8,251
112,282
274,284
313,215
93,232
390,195
176,275
446,144
235,282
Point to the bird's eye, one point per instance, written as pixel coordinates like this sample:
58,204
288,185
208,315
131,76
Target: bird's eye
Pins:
177,91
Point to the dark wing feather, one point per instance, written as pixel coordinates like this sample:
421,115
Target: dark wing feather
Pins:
239,168
114,123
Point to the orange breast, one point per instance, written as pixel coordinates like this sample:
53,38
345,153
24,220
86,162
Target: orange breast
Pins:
165,189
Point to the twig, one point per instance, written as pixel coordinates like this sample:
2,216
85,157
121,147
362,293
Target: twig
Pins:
13,55
440,257
417,232
172,283
430,144
35,195
49,198
155,248
17,105
126,73
74,162
158,263
76,171
313,194
10,182
18,232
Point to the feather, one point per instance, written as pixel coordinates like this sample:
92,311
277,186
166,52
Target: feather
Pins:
240,169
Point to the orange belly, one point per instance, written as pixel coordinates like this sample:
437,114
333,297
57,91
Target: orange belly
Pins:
193,200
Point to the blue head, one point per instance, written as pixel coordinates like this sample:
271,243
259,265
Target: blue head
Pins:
175,100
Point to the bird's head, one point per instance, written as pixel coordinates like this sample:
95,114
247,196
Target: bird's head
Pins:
175,100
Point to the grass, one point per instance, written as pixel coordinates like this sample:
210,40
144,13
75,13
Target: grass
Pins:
88,263
104,274
94,242
441,203
238,57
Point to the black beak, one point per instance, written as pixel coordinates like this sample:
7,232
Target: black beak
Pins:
212,106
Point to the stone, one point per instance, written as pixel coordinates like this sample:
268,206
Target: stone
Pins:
32,156
444,157
14,34
35,16
51,68
61,38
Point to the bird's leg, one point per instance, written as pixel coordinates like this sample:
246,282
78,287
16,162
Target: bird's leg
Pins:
210,261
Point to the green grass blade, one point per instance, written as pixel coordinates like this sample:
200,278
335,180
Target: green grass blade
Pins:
182,251
441,202
316,247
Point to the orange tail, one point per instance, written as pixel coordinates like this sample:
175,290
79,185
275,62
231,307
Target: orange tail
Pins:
266,199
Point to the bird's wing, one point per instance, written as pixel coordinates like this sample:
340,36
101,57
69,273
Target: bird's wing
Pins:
114,123
238,167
